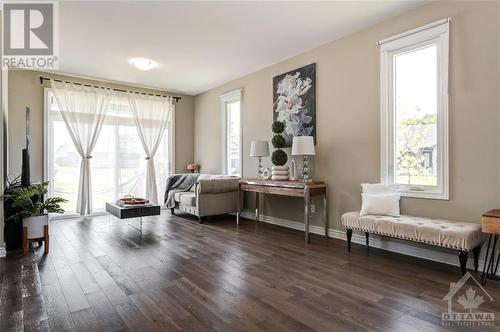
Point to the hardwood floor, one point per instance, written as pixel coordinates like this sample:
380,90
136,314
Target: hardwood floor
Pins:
180,275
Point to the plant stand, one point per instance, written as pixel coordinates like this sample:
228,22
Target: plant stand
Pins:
45,239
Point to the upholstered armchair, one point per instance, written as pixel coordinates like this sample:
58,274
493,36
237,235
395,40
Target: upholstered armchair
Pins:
211,195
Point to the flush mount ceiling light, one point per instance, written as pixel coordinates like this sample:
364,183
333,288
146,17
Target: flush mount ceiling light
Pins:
142,63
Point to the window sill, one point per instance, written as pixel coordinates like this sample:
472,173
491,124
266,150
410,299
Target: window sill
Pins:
425,195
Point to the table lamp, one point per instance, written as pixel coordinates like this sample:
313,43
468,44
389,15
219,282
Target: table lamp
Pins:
259,149
303,146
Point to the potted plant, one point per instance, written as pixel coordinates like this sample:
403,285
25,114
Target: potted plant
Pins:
34,212
279,157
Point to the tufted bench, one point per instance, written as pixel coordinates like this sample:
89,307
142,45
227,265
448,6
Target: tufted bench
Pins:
461,236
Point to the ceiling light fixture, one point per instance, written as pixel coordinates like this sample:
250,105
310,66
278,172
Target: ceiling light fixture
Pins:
143,63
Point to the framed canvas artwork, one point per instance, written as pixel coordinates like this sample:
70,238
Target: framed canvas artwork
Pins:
294,102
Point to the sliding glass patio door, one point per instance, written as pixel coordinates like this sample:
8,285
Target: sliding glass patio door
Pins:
118,161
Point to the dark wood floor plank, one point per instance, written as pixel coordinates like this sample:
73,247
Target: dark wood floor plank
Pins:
108,318
221,304
31,283
74,296
167,305
12,322
85,320
152,312
11,304
35,313
12,288
85,279
57,308
233,290
47,271
110,288
134,319
197,309
179,275
119,275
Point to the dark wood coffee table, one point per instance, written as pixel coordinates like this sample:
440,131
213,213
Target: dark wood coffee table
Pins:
132,211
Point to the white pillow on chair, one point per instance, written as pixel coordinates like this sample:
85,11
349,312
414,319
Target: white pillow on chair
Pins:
379,188
380,204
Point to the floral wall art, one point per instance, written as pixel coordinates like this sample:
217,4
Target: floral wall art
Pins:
294,102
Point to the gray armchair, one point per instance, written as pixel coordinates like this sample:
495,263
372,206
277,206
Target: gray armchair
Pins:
211,195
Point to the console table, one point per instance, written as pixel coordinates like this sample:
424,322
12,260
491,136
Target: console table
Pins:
299,188
490,222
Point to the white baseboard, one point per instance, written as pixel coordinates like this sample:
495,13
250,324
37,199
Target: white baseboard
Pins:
398,246
3,253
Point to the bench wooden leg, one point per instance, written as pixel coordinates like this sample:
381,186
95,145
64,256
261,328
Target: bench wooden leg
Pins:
462,257
349,237
46,239
367,239
25,241
476,252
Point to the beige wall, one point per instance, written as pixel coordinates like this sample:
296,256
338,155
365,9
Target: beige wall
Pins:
348,129
25,90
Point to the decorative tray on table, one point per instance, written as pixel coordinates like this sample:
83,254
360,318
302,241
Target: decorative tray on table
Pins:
132,201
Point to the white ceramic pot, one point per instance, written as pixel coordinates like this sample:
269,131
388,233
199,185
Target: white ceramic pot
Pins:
279,177
35,225
279,173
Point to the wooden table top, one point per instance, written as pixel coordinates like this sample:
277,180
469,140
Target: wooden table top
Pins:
286,188
495,213
490,222
288,183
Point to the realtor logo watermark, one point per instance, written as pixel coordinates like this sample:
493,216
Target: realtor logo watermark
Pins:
30,35
464,299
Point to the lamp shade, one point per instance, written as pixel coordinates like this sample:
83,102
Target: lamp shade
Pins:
259,148
303,146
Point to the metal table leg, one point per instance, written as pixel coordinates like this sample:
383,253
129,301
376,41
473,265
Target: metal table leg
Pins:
257,207
490,268
325,212
494,271
307,213
238,206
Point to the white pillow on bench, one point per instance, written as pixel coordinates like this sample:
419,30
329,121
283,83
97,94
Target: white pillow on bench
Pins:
379,188
380,204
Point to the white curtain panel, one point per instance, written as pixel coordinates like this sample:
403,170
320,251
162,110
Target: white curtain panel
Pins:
152,115
83,110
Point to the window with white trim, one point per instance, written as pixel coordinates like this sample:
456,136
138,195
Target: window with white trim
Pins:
118,165
231,133
414,110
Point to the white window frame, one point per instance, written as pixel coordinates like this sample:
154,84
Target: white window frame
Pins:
227,98
436,32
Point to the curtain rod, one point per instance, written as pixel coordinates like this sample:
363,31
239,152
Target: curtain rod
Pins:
103,87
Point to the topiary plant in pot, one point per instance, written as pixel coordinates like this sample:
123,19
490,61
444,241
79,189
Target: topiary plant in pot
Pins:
279,157
34,212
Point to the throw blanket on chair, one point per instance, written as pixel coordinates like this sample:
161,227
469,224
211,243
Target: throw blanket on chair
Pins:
176,183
